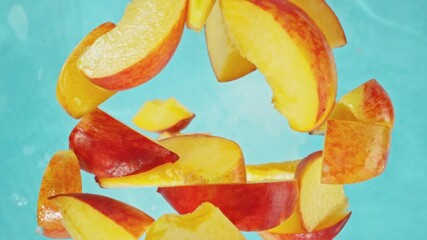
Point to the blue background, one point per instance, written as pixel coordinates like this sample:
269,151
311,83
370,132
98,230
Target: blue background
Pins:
386,40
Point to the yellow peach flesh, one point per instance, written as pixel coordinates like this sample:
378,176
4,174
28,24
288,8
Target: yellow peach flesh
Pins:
271,171
198,12
202,159
226,60
318,202
207,222
80,226
159,115
140,30
292,70
76,94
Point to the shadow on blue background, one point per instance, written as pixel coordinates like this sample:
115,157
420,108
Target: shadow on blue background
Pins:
386,40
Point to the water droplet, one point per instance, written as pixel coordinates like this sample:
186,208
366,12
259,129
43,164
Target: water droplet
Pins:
19,200
40,73
28,150
18,21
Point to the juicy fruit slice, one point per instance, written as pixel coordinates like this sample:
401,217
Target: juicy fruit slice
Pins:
108,148
329,232
197,13
226,61
216,159
325,19
370,103
202,159
318,202
272,171
367,103
76,94
291,225
354,151
250,206
292,53
205,223
163,116
62,175
89,216
138,48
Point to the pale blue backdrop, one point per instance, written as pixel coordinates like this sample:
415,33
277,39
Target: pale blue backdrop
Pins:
386,40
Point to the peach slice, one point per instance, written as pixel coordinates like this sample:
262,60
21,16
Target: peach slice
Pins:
325,19
76,94
206,223
62,175
354,151
89,216
250,206
202,159
226,61
284,43
163,116
138,48
367,103
318,202
197,13
370,103
108,148
326,233
271,171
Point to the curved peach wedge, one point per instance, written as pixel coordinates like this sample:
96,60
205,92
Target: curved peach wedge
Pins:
272,171
284,43
62,175
354,151
76,94
108,148
138,48
250,206
206,223
368,102
202,159
163,116
317,202
226,61
327,233
89,216
197,13
325,19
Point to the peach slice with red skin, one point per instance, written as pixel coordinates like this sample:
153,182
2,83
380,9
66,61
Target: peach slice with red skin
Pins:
108,148
62,175
325,19
318,203
354,151
250,206
163,116
197,13
90,216
206,223
226,61
202,159
135,51
327,233
368,102
284,43
76,94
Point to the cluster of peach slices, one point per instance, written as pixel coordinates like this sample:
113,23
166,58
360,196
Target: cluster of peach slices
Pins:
204,177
